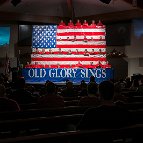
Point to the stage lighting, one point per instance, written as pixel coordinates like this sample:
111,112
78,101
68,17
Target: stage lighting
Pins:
105,1
15,2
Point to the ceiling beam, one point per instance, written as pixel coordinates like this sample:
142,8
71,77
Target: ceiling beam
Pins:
3,1
135,3
115,16
71,9
8,17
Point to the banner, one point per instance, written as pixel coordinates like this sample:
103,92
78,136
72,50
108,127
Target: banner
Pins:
60,75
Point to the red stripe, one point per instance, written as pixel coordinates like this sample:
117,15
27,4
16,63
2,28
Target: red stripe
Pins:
80,33
64,52
81,46
68,59
82,40
79,27
66,66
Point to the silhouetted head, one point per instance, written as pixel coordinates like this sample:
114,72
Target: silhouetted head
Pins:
21,83
92,88
106,90
2,90
92,79
51,88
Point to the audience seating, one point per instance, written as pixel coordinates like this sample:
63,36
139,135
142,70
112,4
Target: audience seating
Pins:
37,125
45,112
131,134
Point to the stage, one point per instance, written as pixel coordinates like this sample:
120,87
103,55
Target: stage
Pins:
60,75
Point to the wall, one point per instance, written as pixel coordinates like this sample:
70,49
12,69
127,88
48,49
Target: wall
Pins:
135,50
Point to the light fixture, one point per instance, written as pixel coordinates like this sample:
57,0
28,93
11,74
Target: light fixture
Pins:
15,2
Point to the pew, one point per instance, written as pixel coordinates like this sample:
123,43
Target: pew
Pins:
132,134
44,112
37,125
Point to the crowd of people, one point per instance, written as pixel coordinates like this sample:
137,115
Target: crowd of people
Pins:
14,94
104,102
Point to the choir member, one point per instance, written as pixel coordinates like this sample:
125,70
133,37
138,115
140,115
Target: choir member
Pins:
62,23
43,50
85,23
86,53
78,24
92,52
70,24
93,25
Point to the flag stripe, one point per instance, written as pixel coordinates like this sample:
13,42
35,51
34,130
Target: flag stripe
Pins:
96,38
69,59
66,52
81,43
80,33
81,46
66,62
65,56
92,30
72,49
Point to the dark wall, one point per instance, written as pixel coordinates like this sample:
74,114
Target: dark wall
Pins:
118,34
120,67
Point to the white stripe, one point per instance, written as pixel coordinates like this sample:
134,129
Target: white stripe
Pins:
72,49
80,30
81,43
82,37
66,56
67,62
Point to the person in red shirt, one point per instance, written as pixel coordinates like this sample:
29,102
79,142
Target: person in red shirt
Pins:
86,53
27,65
77,52
92,52
37,51
93,25
79,64
85,24
85,39
60,51
78,24
50,51
62,23
74,39
69,52
43,51
70,24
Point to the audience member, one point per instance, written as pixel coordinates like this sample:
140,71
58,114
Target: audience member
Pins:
140,88
22,95
51,99
69,90
107,115
135,85
7,104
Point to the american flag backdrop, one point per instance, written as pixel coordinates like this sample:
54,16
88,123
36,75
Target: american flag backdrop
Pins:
66,46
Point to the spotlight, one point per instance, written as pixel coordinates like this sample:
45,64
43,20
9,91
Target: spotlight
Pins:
105,1
15,2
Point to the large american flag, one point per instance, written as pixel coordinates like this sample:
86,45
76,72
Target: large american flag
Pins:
68,45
